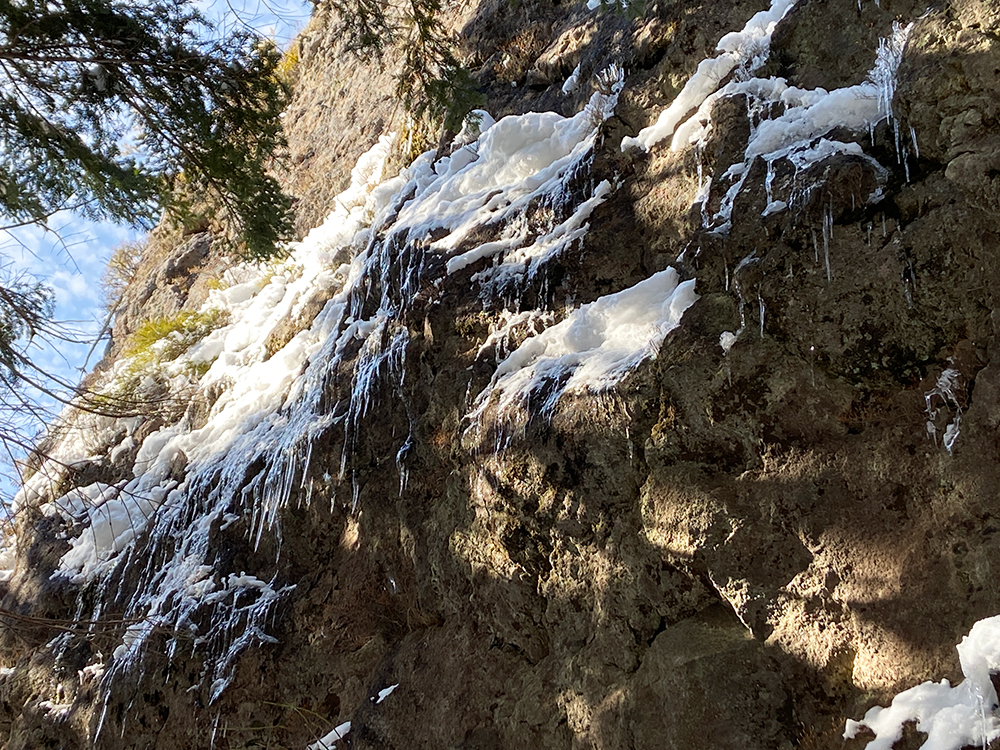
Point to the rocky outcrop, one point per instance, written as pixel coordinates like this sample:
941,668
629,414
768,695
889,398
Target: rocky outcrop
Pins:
783,518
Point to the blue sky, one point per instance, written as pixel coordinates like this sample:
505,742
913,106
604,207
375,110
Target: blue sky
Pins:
71,255
278,19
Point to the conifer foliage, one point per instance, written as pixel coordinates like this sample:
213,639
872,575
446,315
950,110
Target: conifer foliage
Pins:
118,110
432,81
105,104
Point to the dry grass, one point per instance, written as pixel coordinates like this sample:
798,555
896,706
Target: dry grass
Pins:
121,269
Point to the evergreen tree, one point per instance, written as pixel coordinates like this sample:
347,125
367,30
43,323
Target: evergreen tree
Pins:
117,110
432,81
104,104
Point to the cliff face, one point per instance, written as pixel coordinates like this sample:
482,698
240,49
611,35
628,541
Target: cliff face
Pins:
665,418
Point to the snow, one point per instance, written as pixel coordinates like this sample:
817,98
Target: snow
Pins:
798,133
385,693
745,50
525,182
519,260
329,741
253,387
8,558
518,165
115,516
952,717
726,341
499,339
591,350
244,581
806,116
573,82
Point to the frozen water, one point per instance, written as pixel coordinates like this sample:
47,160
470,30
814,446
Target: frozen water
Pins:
588,352
952,717
746,49
573,82
329,741
798,134
389,240
726,341
943,397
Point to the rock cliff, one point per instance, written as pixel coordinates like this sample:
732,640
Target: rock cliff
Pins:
658,410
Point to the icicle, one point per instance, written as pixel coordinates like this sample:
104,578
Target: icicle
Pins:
767,183
883,75
943,395
370,255
401,467
827,236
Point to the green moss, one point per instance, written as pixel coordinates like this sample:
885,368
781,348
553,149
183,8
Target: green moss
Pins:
200,368
156,342
177,332
288,66
216,283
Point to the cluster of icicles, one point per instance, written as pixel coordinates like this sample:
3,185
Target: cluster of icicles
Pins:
142,546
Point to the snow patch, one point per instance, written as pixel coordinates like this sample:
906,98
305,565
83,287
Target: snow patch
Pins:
952,717
518,170
589,351
8,558
329,741
798,133
745,50
573,82
726,341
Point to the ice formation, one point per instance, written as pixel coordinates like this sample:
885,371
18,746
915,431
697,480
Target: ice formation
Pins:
390,238
944,397
797,133
744,50
572,83
952,717
329,741
589,351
